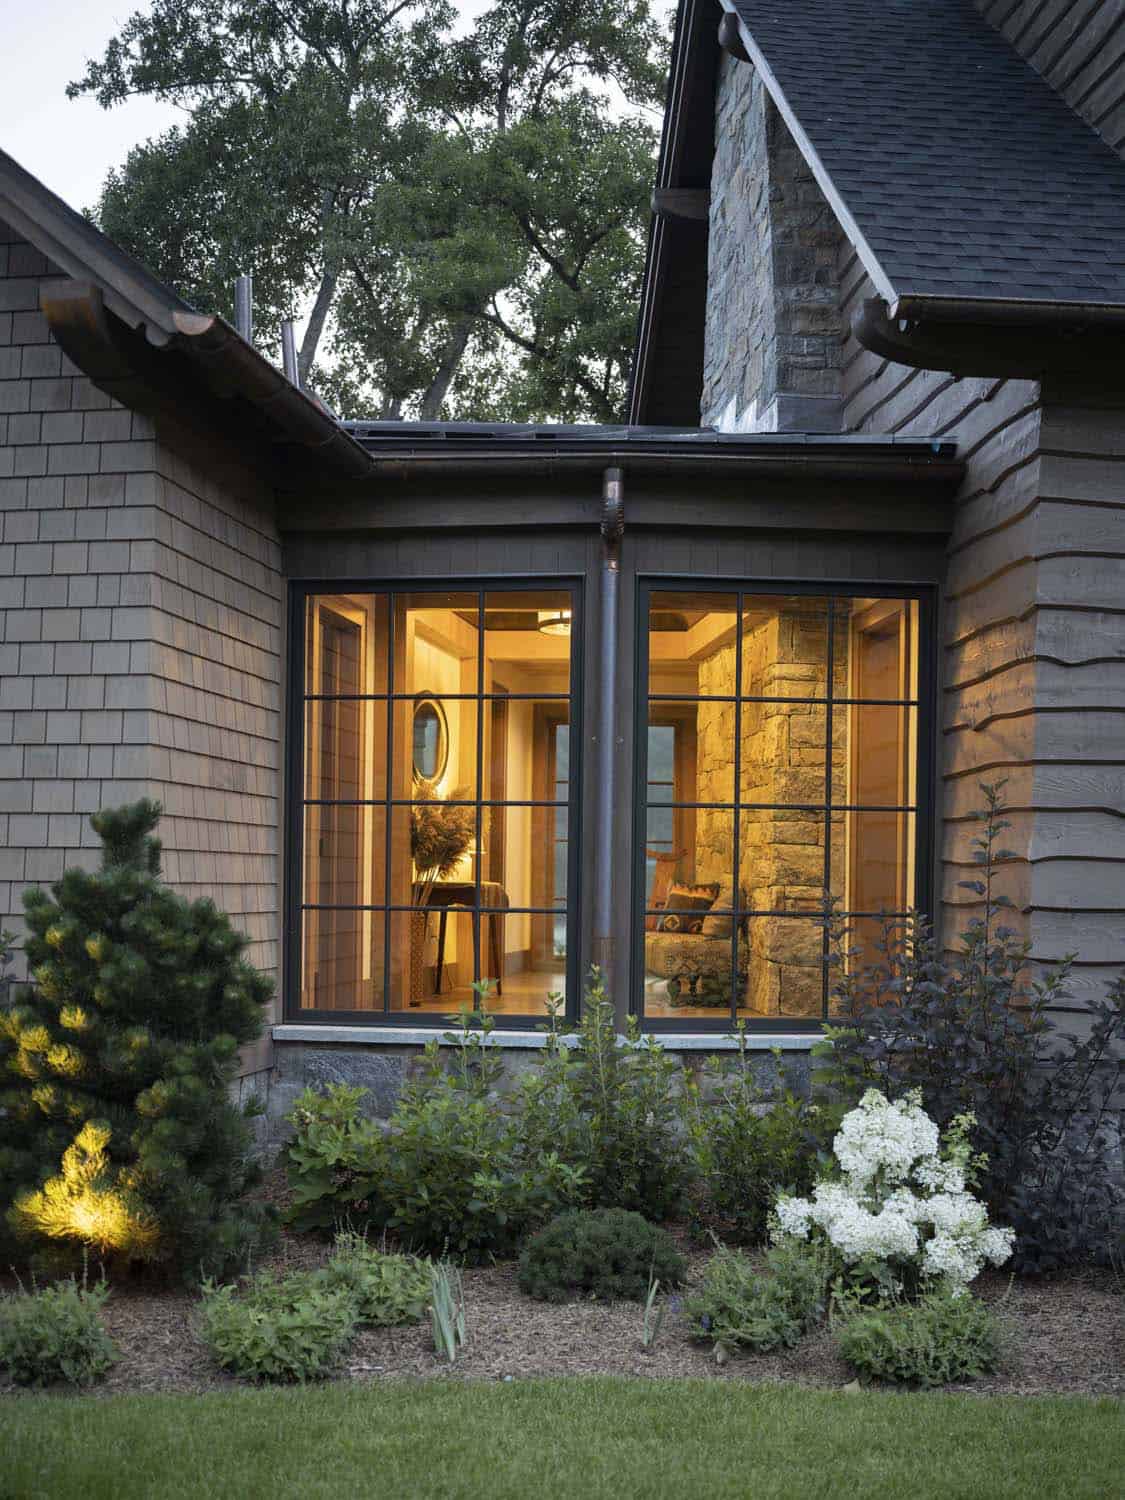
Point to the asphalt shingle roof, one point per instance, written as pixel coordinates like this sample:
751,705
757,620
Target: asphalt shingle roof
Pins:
964,173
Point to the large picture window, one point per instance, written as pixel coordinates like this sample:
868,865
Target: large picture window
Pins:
780,752
433,845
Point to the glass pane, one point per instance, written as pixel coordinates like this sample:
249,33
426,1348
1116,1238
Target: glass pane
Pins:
527,642
342,960
344,855
873,859
345,748
691,643
689,858
781,859
691,751
785,646
876,648
437,643
346,643
524,955
781,968
436,736
876,747
432,964
783,755
434,854
535,845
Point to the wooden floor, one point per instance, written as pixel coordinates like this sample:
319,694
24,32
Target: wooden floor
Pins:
524,995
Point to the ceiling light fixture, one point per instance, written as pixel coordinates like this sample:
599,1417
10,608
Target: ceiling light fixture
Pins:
554,621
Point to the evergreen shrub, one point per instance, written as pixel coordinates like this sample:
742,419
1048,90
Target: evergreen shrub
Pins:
56,1334
937,1340
116,1065
609,1253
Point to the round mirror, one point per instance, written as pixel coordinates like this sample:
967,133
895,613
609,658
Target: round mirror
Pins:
431,739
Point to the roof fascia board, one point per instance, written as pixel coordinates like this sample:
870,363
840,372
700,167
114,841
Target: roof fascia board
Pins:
866,254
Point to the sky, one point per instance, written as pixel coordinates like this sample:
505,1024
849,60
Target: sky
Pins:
70,144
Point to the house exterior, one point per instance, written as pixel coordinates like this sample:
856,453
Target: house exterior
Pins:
432,704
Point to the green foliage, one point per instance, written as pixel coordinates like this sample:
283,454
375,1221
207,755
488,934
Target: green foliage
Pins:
447,1310
298,1328
56,1334
935,1341
386,1290
975,1035
115,1068
607,1253
334,1160
467,213
611,1108
737,1306
751,1141
446,1176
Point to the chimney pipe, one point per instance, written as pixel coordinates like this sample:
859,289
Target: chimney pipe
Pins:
289,352
243,307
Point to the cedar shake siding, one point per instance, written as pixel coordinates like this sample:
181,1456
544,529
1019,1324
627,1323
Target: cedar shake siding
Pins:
140,632
1033,624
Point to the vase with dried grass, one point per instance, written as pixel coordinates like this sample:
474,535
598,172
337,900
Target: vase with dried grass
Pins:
441,832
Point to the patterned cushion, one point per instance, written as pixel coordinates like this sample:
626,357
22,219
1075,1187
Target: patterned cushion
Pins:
682,901
719,920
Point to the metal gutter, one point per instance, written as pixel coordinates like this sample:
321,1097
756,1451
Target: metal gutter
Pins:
1006,312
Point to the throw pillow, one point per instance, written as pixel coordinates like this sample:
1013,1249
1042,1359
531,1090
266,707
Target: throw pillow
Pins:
683,900
719,921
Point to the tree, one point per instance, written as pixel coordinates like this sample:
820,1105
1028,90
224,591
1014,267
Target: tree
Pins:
463,214
115,1068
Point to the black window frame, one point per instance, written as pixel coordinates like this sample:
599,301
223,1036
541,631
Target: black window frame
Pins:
300,591
926,596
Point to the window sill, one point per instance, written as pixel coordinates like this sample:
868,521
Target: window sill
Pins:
418,1036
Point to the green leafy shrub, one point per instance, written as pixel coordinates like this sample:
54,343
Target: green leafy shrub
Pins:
939,1339
739,1307
334,1160
446,1175
613,1109
750,1142
116,1064
385,1290
56,1334
974,1036
609,1253
295,1329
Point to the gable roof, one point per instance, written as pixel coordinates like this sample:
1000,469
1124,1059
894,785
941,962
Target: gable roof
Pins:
150,349
952,165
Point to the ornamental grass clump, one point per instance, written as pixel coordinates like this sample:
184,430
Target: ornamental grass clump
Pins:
56,1335
899,1218
935,1341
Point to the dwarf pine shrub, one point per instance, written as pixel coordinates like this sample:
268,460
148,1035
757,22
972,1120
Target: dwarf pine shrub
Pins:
608,1253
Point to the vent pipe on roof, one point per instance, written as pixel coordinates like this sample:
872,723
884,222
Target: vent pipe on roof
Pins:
289,352
244,307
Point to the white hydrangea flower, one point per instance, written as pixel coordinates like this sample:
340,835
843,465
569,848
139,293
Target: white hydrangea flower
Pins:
899,1200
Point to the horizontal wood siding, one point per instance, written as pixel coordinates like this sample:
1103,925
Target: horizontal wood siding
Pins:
1079,48
1033,641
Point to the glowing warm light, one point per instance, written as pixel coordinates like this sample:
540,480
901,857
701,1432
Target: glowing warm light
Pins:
554,621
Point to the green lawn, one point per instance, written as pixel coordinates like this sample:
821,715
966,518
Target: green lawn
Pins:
573,1438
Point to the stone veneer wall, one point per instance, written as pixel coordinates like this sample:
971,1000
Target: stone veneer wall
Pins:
773,334
140,634
782,760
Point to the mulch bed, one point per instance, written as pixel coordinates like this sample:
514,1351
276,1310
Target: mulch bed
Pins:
1066,1336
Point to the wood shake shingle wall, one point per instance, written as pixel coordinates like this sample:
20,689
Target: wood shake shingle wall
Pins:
140,633
1034,640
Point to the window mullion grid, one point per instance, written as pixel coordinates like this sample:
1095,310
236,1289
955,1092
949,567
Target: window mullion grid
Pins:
830,687
735,890
388,776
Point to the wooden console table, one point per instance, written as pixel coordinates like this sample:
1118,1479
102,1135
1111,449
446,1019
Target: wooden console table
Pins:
463,895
